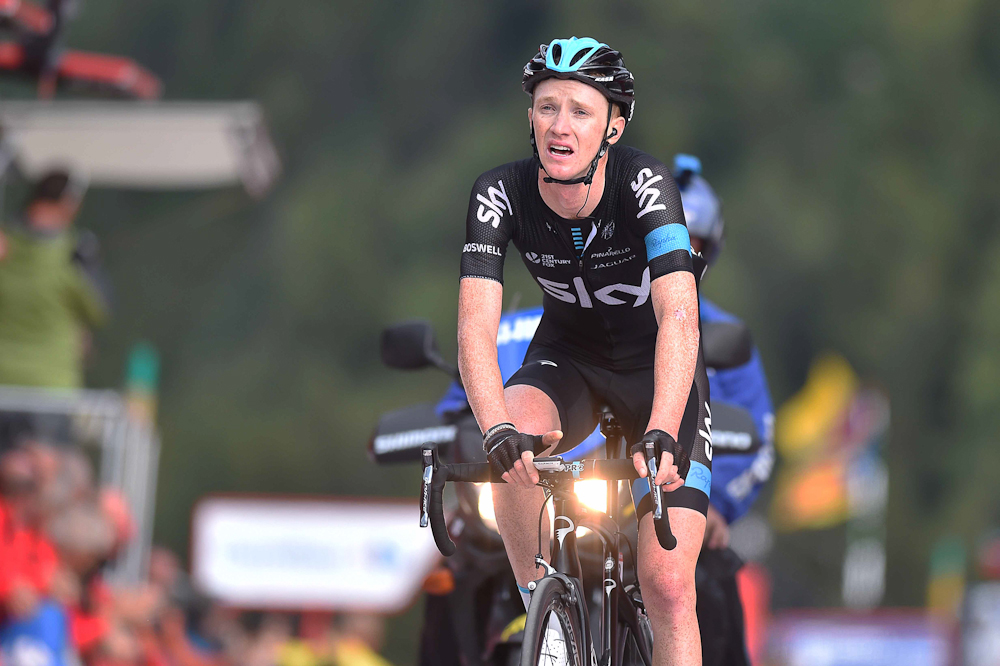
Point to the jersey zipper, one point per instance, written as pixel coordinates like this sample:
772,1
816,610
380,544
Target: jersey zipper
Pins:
586,285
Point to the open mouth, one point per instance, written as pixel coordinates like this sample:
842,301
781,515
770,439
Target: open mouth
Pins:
560,151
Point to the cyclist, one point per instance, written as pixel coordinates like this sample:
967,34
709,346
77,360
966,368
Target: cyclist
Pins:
737,475
601,229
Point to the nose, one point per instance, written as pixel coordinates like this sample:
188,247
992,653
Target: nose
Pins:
561,124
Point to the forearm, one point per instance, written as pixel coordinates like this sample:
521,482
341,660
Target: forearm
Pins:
676,308
477,355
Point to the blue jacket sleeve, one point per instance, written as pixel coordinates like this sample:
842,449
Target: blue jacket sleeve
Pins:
513,337
737,478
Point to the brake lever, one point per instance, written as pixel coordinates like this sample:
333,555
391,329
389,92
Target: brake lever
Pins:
428,457
549,464
654,490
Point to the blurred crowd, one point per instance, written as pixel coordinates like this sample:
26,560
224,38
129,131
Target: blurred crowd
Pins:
61,533
58,534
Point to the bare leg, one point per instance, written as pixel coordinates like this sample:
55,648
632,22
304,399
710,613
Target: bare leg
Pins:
531,411
668,591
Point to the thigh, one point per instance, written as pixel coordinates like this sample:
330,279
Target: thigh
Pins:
550,384
659,567
631,396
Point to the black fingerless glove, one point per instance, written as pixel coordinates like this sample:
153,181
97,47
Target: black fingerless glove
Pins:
664,442
504,446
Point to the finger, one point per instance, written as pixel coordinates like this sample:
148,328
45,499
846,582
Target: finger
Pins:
666,460
664,474
527,458
674,485
640,464
523,474
552,438
506,477
520,473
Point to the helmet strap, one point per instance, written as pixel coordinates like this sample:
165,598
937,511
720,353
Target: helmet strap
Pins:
589,178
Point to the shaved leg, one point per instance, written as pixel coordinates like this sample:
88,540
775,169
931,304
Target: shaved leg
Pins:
517,509
668,591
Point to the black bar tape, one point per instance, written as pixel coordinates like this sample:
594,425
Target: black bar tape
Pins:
439,528
663,534
472,473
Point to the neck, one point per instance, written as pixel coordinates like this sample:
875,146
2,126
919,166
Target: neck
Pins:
572,201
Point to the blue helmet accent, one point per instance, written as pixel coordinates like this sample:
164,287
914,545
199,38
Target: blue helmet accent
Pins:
683,162
572,53
702,208
587,60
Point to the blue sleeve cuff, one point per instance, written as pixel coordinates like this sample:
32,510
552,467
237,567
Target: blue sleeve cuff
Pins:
667,238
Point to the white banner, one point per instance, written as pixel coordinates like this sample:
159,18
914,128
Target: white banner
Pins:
333,554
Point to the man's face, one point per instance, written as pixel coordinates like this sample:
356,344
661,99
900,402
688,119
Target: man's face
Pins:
569,119
52,216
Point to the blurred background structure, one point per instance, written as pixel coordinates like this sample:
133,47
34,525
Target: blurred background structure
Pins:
854,144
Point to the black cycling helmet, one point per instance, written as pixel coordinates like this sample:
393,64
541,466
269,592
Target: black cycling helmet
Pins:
588,61
585,60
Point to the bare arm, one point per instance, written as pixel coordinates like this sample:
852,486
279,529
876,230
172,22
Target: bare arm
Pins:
675,302
480,303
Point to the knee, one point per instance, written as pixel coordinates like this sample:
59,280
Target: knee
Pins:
667,590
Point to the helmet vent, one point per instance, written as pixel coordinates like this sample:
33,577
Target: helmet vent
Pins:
556,52
577,58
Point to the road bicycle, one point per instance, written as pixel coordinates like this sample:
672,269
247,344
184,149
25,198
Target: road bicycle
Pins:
557,629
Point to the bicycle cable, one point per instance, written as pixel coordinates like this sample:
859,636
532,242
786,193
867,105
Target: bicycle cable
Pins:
631,552
541,514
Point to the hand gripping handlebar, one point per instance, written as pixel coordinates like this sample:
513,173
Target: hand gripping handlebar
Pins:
436,475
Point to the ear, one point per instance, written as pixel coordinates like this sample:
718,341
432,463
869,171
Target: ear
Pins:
619,124
529,115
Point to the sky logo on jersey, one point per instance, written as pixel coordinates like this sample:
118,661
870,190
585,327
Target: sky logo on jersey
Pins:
667,238
561,291
492,210
482,248
647,195
707,432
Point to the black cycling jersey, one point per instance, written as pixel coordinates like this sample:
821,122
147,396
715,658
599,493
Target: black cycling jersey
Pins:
596,303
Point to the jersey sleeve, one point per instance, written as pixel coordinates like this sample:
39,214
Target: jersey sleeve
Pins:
653,203
488,226
737,479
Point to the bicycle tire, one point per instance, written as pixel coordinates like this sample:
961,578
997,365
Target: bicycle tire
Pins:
539,647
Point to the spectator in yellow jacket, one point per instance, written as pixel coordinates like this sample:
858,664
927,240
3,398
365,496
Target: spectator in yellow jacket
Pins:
49,298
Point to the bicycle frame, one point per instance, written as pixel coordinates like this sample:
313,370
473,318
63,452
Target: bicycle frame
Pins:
569,515
618,605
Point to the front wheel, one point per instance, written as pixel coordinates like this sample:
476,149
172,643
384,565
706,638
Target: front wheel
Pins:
552,633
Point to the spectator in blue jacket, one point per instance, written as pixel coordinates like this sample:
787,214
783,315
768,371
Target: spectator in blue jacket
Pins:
736,477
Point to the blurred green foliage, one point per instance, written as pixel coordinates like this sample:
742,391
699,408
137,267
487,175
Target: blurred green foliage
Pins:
855,144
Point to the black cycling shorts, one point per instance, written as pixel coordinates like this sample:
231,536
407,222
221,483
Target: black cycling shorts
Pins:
578,389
